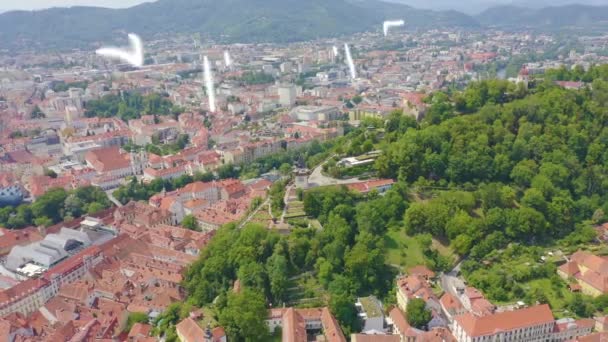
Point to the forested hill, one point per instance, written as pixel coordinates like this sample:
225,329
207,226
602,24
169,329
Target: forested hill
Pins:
500,173
226,20
554,18
537,162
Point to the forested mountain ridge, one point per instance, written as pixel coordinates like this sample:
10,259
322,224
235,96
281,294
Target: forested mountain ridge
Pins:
227,20
248,21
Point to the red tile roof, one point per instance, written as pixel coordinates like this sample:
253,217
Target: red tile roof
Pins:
190,331
108,159
597,337
218,333
450,303
420,269
399,320
140,329
367,186
331,328
10,238
294,327
505,321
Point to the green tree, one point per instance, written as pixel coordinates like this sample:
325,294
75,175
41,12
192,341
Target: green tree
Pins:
95,207
244,316
50,173
417,314
37,113
253,275
73,206
523,172
427,218
50,205
190,222
285,169
135,317
277,268
342,305
526,223
533,198
43,221
203,177
580,306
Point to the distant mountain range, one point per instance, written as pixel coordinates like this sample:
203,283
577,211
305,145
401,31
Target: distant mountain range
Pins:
560,17
228,20
254,20
477,6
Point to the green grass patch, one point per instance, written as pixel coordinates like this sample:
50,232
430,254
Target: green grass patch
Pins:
444,250
557,295
406,251
296,204
208,319
403,250
295,214
316,224
306,291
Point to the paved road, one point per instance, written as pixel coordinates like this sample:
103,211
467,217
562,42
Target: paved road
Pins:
450,281
267,201
286,201
317,178
112,198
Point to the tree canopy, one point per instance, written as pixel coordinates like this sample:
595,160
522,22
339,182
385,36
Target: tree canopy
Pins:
533,161
54,206
417,314
130,105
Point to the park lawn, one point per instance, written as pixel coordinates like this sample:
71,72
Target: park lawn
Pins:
445,250
557,297
402,250
305,291
208,319
405,251
291,215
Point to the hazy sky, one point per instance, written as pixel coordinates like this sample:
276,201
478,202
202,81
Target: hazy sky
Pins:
38,4
463,5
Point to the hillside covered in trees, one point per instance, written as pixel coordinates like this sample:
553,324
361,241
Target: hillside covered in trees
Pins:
534,165
498,172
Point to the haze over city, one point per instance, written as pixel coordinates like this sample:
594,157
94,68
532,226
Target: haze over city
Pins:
469,6
7,5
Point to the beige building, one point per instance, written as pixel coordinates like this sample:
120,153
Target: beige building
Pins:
531,324
590,272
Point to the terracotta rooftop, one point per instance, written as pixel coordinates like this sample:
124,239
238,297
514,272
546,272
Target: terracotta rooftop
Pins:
597,337
419,270
140,329
294,327
399,320
331,327
505,321
450,303
108,159
190,330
